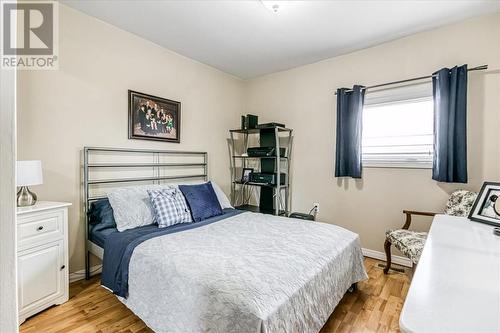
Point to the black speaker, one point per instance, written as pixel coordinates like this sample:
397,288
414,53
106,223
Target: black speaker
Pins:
252,121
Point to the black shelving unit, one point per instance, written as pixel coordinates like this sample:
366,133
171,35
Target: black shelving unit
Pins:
257,209
273,198
258,184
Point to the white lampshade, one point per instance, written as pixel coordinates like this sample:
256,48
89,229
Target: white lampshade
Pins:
29,173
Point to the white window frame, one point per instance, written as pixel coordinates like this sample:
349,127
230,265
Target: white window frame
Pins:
408,93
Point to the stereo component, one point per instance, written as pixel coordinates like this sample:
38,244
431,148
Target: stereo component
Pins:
266,178
270,125
264,152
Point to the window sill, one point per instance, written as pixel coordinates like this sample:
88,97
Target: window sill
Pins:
394,165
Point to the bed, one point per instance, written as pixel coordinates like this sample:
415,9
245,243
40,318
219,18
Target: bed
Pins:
238,272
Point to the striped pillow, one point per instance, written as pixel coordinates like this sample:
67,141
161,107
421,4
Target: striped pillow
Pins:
170,207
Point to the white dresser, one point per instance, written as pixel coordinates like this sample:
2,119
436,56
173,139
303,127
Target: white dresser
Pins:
456,287
42,257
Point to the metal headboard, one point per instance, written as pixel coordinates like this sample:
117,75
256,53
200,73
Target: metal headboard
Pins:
156,167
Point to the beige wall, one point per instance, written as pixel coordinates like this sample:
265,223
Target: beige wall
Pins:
85,103
303,99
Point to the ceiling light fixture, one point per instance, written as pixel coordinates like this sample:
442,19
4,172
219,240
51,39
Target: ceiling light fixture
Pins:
273,6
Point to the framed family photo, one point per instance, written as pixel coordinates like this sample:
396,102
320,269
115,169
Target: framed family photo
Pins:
486,208
153,118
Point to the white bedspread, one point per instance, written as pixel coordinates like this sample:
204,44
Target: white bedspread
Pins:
248,273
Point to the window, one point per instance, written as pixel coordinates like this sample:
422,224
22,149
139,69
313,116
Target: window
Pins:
398,126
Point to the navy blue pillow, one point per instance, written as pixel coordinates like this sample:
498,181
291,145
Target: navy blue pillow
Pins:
202,201
101,214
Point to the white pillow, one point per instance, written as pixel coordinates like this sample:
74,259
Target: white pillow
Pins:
132,207
221,196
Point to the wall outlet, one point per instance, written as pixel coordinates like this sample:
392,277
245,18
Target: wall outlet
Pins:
316,206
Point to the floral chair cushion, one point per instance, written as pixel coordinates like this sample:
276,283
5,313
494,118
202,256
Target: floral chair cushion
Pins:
460,203
411,243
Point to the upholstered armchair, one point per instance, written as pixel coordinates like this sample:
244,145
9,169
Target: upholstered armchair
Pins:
411,243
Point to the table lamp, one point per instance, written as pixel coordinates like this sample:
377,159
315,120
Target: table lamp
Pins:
28,173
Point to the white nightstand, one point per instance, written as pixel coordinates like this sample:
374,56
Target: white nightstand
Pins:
42,256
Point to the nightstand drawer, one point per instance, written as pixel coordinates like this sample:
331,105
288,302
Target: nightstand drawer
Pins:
32,230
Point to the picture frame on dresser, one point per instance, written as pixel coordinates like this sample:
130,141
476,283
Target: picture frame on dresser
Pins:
486,208
153,118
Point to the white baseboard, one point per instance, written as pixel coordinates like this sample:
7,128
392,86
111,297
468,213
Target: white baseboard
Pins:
80,275
403,261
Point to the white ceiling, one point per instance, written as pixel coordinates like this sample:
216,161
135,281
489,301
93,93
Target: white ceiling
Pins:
245,39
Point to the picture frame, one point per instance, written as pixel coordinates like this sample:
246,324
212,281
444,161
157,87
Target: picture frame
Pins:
486,208
153,118
245,175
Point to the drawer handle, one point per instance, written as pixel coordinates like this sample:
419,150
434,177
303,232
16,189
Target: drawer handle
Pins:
63,267
40,228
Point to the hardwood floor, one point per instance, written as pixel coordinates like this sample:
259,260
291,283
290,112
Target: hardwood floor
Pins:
374,307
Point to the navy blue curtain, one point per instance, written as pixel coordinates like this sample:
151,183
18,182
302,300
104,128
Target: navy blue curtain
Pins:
349,129
450,125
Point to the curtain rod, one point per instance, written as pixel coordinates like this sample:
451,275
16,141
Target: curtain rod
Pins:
478,68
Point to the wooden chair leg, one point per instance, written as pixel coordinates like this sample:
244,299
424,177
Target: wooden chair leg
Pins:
387,248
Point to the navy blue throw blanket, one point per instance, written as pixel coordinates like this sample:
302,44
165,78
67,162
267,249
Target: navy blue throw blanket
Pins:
450,125
349,128
119,247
